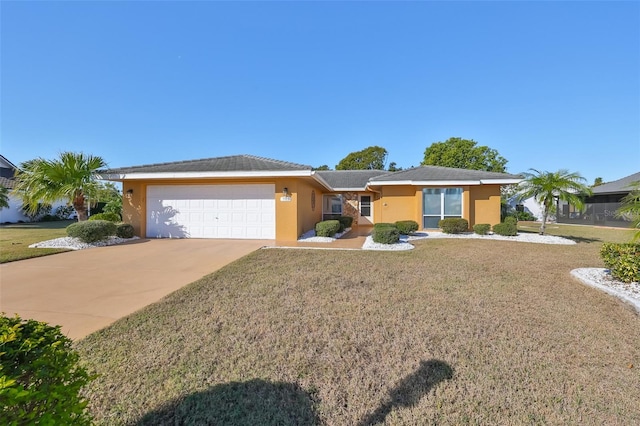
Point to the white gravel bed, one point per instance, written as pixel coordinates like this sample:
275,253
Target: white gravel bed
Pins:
601,278
521,237
369,244
310,237
75,244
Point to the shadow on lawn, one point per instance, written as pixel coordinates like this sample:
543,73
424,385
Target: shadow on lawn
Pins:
259,402
411,389
256,402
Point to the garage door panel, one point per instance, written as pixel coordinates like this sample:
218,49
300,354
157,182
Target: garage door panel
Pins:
211,211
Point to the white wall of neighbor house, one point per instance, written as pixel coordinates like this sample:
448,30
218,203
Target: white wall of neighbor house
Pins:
531,206
13,214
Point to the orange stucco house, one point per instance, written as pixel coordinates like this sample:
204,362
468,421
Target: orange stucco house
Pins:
244,196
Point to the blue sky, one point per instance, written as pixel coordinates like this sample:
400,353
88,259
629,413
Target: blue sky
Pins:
549,85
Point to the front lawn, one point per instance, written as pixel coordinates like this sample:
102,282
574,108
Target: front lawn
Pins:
453,332
15,239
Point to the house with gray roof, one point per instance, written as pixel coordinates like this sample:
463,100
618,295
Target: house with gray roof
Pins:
601,207
245,196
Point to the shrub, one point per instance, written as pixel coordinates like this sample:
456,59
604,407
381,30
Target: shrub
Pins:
345,222
385,234
481,228
64,212
406,227
327,228
384,225
505,228
91,231
512,220
111,217
623,260
525,216
40,375
454,225
48,218
125,230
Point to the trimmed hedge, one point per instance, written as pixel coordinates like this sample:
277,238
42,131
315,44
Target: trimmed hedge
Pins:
506,228
623,260
40,375
481,228
407,227
385,234
454,225
111,217
384,225
91,231
327,228
124,230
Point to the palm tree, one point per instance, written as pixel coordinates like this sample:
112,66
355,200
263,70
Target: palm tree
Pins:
4,198
631,207
72,177
546,187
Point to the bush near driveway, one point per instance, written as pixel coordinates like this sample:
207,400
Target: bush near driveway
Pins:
91,231
481,228
40,375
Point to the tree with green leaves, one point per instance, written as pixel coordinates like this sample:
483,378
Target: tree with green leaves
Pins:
371,158
393,167
464,154
323,167
72,177
546,187
597,182
631,208
4,198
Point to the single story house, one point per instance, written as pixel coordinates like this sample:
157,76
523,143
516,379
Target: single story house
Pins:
601,207
245,196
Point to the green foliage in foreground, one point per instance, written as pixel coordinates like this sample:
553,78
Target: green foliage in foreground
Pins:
40,376
111,217
623,260
92,230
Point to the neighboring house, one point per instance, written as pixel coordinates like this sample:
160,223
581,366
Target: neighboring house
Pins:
244,196
14,214
529,205
600,208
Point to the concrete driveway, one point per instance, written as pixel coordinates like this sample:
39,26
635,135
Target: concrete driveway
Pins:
86,290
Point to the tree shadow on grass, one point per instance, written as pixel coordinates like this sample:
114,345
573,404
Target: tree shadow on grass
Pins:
255,402
411,389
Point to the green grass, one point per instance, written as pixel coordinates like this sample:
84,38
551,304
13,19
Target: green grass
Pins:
453,332
16,238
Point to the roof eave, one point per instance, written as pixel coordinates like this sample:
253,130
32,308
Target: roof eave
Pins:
446,182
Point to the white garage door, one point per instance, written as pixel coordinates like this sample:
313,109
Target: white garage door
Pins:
211,211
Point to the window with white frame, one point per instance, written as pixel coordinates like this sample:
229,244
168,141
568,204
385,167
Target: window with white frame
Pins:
440,203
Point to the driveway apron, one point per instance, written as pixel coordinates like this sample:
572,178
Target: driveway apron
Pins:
86,290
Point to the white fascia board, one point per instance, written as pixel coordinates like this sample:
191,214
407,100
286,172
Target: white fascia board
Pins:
427,182
446,182
200,175
349,189
500,181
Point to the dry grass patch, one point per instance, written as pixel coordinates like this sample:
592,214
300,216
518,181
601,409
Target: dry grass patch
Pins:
453,332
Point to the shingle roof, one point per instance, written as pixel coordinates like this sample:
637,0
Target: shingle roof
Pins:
349,179
437,173
7,183
620,185
234,163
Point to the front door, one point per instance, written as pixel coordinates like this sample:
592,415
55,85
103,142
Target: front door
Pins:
366,210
